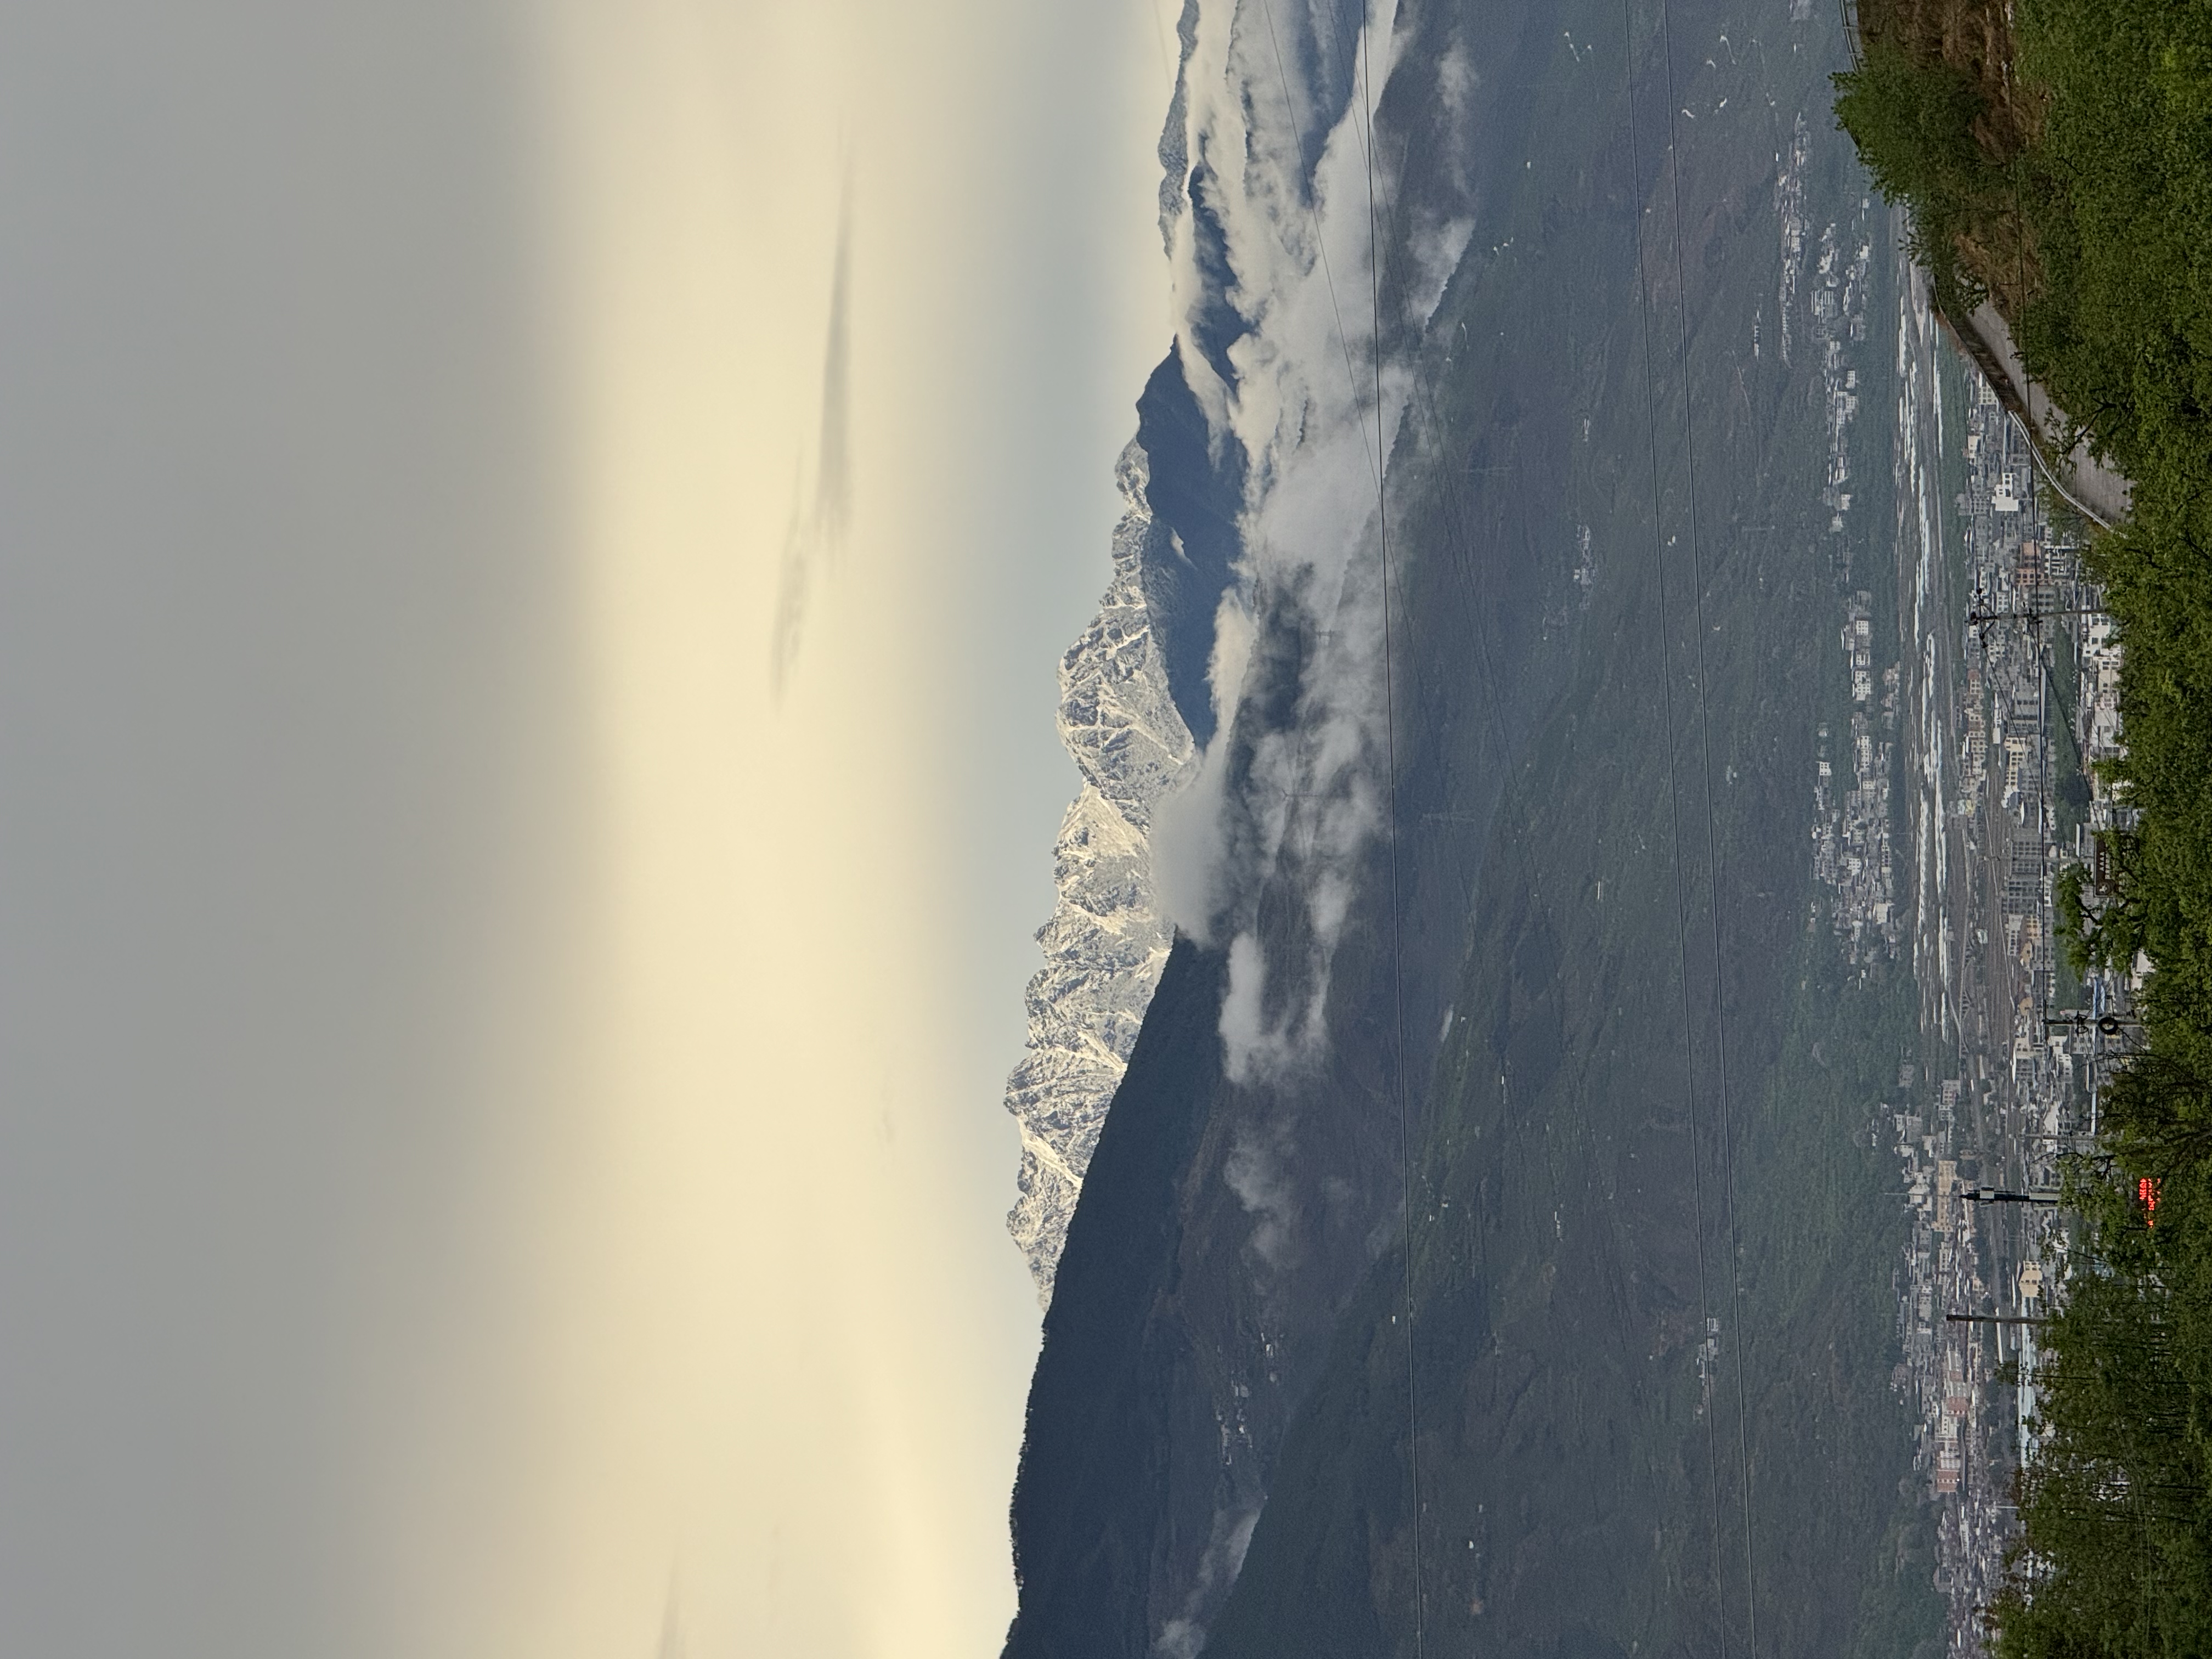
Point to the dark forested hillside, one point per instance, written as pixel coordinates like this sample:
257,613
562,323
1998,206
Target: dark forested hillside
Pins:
1643,1351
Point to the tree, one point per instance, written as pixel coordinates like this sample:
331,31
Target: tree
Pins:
1913,118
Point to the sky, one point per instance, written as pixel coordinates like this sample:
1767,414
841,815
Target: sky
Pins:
534,543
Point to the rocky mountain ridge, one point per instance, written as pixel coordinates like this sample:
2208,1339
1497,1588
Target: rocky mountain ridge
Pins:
1107,939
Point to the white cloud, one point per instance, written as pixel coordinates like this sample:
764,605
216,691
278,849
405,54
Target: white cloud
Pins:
1311,411
1184,1637
1256,1173
1436,247
1243,1010
816,533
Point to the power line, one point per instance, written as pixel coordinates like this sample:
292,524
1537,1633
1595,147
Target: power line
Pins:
1712,840
1378,463
1321,243
2033,614
1674,806
1390,817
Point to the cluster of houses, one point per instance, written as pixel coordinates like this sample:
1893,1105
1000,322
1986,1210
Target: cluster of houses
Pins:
1980,1151
1852,855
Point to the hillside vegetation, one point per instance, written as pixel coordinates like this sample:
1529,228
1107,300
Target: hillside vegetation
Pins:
2055,157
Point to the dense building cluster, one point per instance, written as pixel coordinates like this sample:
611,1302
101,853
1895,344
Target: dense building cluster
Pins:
1852,854
2032,704
1852,851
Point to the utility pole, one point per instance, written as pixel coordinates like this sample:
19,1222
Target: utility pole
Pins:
2032,616
2106,1024
2046,1196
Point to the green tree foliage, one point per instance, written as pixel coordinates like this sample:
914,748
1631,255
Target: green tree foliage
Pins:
2118,194
2105,211
2115,1555
1913,118
2098,935
2118,1560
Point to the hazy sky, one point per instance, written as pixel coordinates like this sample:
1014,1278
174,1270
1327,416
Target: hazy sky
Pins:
534,541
